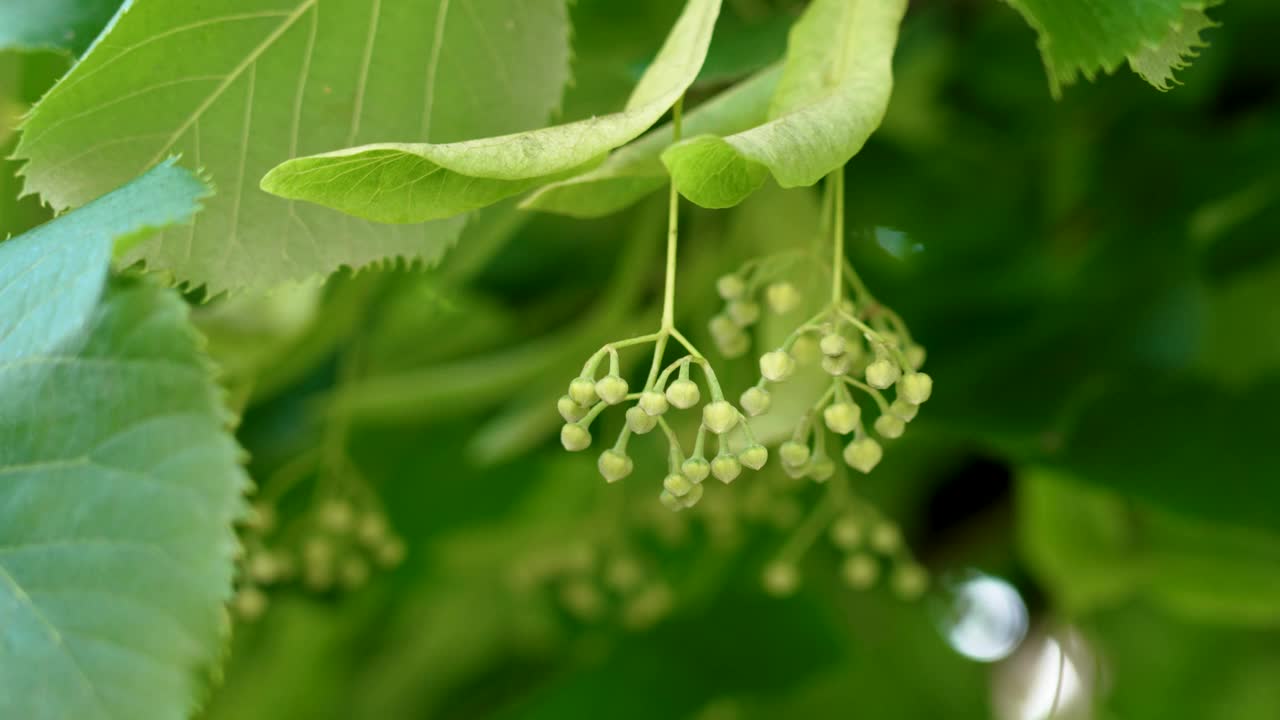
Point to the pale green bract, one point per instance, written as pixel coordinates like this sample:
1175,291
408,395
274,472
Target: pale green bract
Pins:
636,170
119,482
1084,37
833,93
237,86
407,183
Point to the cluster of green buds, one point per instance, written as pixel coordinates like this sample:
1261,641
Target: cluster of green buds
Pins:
335,545
590,587
743,293
666,388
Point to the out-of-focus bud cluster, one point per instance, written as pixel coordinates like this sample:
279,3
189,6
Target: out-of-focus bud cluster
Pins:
744,292
593,587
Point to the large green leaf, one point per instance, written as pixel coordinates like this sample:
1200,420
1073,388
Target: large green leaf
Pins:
53,24
833,94
1083,37
238,86
1094,549
633,172
413,182
118,480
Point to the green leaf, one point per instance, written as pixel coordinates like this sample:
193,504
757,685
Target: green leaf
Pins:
633,172
1096,549
239,86
833,94
1084,37
118,480
53,24
405,183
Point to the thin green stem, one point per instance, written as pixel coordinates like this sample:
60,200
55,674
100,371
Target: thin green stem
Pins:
673,220
837,261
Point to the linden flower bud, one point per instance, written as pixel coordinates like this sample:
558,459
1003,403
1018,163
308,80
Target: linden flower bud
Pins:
886,538
250,603
833,345
614,465
754,457
639,421
756,401
612,389
570,410
904,410
734,347
910,581
583,391
860,571
653,403
846,533
692,497
719,416
781,579
574,437
726,468
915,356
842,417
743,313
677,485
916,387
793,453
882,374
723,327
683,393
795,472
730,287
696,469
836,366
670,501
822,469
777,365
890,426
863,455
336,516
391,553
783,297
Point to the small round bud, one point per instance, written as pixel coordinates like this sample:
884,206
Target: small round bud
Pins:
882,374
263,569
915,356
583,391
639,421
653,403
837,366
730,287
754,457
842,417
890,426
794,454
734,347
692,497
336,516
250,603
391,553
726,468
696,469
863,455
723,327
781,579
846,533
683,393
261,518
743,313
777,365
904,410
805,350
916,387
821,469
677,485
886,538
670,501
795,472
372,529
614,466
574,437
756,401
910,581
624,574
833,345
783,297
353,573
860,571
612,389
719,416
570,410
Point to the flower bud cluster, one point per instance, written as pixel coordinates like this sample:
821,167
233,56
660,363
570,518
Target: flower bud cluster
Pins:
744,293
594,589
869,544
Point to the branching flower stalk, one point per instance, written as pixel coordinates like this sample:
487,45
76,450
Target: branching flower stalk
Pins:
672,385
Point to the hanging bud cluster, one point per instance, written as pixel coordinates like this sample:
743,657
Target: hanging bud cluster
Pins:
873,549
724,444
592,589
743,293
